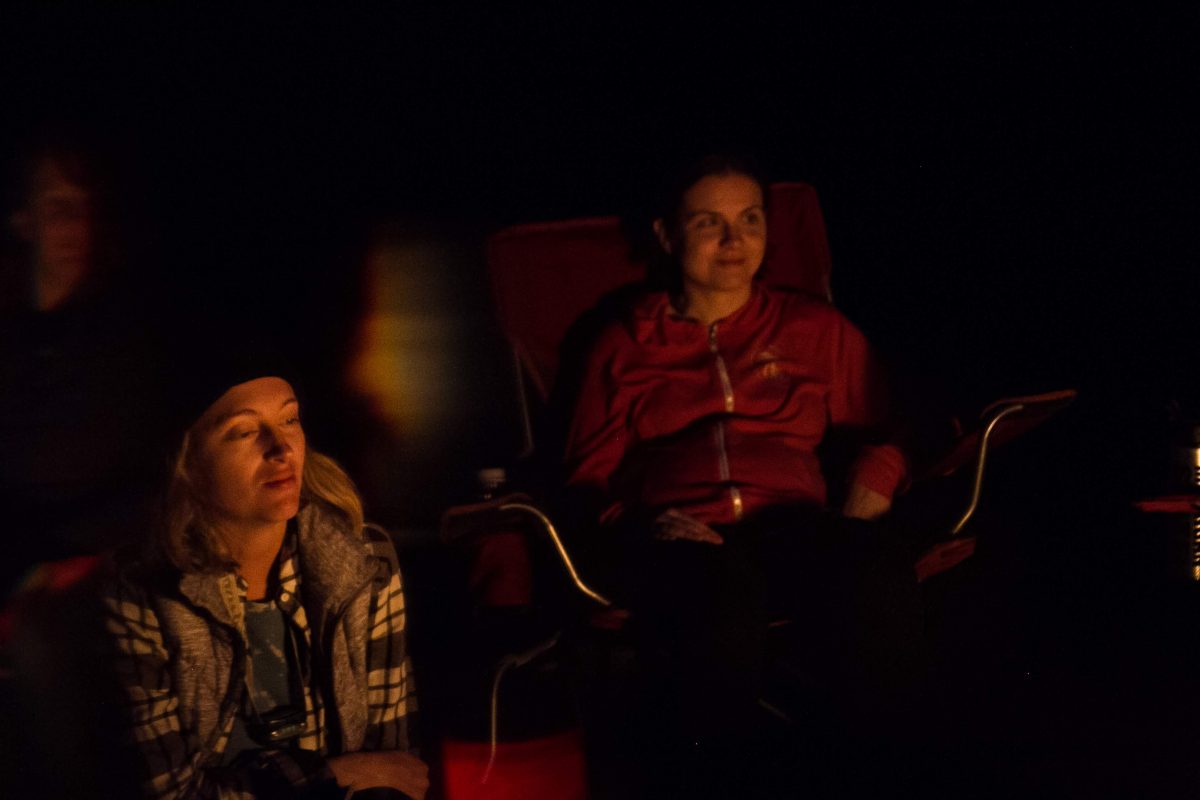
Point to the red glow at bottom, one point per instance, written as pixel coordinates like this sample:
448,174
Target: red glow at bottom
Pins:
549,767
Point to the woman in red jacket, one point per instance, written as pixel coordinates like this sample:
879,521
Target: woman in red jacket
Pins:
696,433
709,403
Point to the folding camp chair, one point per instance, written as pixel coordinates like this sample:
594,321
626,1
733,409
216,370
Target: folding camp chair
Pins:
547,276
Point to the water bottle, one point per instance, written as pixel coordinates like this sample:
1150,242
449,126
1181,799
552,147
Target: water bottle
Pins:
491,482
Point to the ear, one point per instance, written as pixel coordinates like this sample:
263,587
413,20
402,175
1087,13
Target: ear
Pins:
660,232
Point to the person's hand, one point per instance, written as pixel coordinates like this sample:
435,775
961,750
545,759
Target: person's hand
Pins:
394,769
864,503
674,525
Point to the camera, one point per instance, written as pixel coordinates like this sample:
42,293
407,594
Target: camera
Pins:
278,726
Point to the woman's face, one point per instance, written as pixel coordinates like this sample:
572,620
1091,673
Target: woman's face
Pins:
59,222
721,234
251,454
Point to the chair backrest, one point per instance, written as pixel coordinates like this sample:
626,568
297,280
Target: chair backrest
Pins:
797,245
546,275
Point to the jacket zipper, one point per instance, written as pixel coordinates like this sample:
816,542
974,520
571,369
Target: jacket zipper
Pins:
735,496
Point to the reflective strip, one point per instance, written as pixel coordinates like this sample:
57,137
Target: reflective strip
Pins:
726,386
722,457
735,496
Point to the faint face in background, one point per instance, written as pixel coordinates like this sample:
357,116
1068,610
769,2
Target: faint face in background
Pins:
59,223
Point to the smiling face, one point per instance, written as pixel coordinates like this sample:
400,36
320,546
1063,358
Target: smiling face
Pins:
720,235
250,455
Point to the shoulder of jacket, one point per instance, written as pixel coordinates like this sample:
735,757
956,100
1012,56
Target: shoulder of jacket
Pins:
616,336
612,336
380,546
649,304
795,306
794,299
131,596
645,307
127,574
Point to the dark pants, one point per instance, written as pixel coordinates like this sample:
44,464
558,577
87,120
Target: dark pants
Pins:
837,598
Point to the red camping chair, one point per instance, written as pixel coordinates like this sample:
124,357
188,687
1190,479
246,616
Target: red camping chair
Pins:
544,277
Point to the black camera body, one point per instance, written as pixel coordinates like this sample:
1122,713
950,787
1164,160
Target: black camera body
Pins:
278,726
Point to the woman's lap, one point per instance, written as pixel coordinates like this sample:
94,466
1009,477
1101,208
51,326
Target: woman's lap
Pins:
846,589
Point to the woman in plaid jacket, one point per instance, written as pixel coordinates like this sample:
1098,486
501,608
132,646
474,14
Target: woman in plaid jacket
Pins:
261,650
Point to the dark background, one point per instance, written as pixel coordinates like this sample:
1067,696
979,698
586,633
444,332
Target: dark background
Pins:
1011,201
1009,195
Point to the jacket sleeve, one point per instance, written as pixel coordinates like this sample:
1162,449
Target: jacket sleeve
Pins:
859,399
173,762
391,691
599,434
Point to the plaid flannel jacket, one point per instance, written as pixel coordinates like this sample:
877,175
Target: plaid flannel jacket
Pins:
182,660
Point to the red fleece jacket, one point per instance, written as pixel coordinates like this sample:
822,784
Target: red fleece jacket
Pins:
723,421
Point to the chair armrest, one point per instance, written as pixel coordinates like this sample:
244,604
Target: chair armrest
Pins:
479,518
1001,422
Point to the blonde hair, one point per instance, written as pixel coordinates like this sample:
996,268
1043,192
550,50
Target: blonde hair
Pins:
188,538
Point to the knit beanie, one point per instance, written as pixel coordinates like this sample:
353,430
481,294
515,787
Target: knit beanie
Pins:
205,374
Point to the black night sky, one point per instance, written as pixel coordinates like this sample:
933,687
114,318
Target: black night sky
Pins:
998,186
1011,199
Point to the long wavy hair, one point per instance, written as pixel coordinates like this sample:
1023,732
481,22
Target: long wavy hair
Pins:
189,538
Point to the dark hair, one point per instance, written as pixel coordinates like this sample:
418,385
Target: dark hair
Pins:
662,270
692,172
